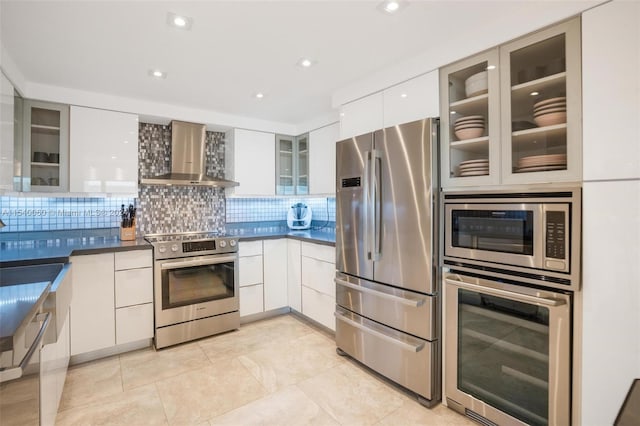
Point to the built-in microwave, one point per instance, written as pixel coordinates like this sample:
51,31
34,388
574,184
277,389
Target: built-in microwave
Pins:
534,235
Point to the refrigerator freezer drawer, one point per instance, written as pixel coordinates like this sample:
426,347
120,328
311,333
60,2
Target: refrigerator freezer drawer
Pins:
411,312
406,360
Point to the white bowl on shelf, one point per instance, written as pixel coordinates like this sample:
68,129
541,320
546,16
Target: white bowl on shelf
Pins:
472,133
477,84
551,119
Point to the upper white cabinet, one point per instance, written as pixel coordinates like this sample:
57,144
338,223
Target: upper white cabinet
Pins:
103,151
611,91
411,100
45,157
541,105
6,133
292,164
361,116
513,114
250,160
322,150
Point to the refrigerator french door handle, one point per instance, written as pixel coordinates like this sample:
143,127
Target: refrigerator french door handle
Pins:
383,336
376,160
507,294
414,303
370,229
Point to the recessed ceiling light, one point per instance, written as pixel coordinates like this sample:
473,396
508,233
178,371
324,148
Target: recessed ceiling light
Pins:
391,6
306,62
404,95
157,74
259,95
179,21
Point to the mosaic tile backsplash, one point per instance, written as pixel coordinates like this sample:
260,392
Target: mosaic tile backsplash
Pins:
174,208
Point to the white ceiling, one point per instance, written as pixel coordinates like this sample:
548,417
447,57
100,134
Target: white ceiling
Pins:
237,48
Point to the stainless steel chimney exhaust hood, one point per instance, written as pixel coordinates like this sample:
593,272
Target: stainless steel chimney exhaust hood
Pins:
188,158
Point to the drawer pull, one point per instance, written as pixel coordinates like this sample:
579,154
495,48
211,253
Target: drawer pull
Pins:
386,337
414,303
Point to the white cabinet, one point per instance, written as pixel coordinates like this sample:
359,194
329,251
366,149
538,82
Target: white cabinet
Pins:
92,306
408,101
292,164
103,151
6,133
611,111
133,295
318,288
251,277
250,160
275,274
322,152
112,300
411,100
294,286
45,155
361,116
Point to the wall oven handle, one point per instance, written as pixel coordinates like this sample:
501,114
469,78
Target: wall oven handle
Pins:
15,373
386,337
414,303
525,298
198,262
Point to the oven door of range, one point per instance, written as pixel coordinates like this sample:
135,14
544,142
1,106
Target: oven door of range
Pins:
507,352
196,287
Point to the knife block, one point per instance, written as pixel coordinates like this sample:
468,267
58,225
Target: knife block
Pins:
128,234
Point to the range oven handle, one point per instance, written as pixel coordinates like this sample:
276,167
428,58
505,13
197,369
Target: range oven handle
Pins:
525,298
383,336
198,262
414,303
15,373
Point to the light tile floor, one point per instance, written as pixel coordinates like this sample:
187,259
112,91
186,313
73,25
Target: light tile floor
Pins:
279,371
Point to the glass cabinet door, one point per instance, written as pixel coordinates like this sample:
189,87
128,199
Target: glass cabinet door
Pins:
46,147
284,166
541,98
302,178
469,93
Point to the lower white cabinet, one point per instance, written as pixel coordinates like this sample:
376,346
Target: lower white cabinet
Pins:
317,286
251,300
54,359
275,274
294,286
92,305
112,300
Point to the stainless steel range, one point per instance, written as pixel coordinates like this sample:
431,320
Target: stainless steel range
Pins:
195,280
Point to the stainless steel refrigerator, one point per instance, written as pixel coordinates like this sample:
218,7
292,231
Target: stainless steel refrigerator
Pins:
387,306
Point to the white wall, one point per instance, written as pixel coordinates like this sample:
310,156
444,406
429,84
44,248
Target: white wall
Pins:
611,210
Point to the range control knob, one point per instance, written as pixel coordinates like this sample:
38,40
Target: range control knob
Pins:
223,244
174,248
233,243
162,249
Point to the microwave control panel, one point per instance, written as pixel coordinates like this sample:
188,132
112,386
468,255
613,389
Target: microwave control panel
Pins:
555,239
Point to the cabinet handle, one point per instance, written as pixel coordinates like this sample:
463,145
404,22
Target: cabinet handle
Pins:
414,303
406,346
525,298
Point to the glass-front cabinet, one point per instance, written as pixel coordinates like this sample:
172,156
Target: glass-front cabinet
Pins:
470,130
292,164
46,147
513,114
541,103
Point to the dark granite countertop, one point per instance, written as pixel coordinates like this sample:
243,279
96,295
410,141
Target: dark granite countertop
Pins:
26,248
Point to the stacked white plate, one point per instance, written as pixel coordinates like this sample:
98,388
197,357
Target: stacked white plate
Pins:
540,163
469,127
476,85
474,167
550,111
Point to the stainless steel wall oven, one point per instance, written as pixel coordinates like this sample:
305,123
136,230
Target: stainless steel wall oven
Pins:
512,262
196,287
